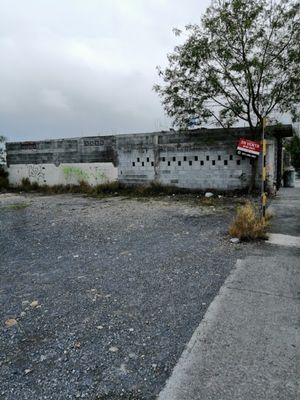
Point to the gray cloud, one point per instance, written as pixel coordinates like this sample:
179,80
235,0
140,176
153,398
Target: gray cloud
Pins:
79,67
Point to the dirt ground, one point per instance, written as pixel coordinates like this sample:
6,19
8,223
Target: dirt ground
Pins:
100,296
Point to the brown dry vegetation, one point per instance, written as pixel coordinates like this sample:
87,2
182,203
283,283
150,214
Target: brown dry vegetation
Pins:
222,200
105,189
119,188
248,223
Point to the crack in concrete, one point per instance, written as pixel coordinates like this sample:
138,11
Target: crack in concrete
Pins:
261,292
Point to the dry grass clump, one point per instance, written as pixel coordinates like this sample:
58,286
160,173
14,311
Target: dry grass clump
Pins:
248,224
104,189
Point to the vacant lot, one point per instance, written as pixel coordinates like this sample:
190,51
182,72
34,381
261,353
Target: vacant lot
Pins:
99,297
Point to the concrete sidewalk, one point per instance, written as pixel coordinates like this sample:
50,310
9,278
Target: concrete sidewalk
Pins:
247,345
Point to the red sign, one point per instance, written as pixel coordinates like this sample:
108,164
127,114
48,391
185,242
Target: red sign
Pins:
248,148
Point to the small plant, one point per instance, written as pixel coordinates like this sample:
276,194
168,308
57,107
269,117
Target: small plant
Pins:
110,188
248,224
26,185
15,206
85,187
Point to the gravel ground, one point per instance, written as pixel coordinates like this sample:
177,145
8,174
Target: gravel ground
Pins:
99,297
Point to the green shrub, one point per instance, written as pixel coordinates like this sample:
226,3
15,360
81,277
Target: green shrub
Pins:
26,185
3,179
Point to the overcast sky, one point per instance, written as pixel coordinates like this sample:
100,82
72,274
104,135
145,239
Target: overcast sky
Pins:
85,67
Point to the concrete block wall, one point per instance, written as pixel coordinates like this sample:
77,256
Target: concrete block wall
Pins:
188,169
202,159
196,161
76,150
63,174
137,158
64,161
136,167
204,169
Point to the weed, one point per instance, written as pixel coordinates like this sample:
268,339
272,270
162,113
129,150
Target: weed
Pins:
26,185
111,188
15,206
208,201
141,192
105,189
248,224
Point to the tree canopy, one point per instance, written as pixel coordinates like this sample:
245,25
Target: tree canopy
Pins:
241,63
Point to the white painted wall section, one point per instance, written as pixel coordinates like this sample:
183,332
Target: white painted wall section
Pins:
64,174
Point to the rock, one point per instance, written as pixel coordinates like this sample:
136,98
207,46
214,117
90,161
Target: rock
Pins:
123,368
235,240
11,322
34,303
208,194
27,371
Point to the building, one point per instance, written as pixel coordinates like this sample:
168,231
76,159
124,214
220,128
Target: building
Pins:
199,159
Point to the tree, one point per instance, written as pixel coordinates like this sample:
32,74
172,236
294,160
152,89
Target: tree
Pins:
2,141
240,64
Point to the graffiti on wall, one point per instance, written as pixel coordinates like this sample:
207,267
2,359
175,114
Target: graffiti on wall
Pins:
36,171
78,174
75,173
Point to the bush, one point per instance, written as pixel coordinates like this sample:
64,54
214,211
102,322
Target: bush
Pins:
26,185
248,224
3,179
110,188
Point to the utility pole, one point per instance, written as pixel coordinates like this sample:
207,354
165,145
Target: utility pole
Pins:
263,169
